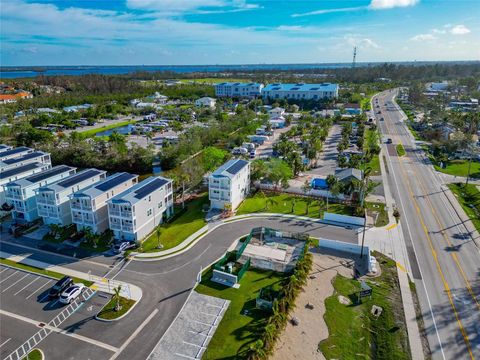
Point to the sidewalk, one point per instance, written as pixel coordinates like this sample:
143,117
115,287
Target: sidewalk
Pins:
129,291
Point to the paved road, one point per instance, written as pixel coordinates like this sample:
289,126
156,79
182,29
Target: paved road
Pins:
445,260
166,283
328,159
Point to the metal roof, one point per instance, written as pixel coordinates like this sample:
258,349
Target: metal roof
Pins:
301,87
79,177
114,180
28,156
19,170
230,168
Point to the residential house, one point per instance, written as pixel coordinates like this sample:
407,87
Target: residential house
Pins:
347,175
53,201
300,91
21,193
352,109
89,206
14,153
237,89
229,184
136,212
276,112
277,122
158,98
33,157
437,86
76,108
205,102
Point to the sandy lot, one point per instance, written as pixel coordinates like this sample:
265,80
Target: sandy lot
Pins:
301,341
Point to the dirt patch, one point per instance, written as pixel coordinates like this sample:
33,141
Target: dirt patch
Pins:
301,341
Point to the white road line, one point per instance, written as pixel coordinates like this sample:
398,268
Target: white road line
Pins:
5,269
29,296
30,283
15,283
135,333
188,343
6,341
199,322
186,356
9,276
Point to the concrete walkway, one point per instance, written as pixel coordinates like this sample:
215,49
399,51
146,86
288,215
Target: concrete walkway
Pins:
129,291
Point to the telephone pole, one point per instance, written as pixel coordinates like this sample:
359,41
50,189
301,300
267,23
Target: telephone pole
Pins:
354,62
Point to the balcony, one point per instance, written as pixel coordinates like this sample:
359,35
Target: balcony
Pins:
14,196
45,201
113,212
128,228
115,226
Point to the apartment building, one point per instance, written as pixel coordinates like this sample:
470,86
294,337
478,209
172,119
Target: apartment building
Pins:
229,184
33,157
21,193
89,206
53,201
14,153
4,147
300,91
19,173
237,89
136,212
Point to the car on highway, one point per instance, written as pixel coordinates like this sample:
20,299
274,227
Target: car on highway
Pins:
71,293
389,141
60,286
381,119
123,246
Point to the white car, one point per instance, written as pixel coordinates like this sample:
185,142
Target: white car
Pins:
71,293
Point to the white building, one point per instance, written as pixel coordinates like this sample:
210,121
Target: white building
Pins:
14,153
4,147
18,173
21,193
89,206
300,91
276,112
136,212
33,157
237,89
437,86
205,102
53,201
229,184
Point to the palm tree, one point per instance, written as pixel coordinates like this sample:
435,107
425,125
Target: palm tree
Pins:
159,232
91,237
269,335
116,297
258,350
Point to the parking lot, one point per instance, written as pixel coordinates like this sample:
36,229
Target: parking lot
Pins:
34,320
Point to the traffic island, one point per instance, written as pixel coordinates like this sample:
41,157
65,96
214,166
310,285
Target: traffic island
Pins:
35,354
113,311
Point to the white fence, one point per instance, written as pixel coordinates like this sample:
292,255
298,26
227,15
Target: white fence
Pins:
353,249
345,219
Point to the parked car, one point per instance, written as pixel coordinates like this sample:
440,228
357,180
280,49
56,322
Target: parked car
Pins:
60,286
71,293
123,246
381,119
389,141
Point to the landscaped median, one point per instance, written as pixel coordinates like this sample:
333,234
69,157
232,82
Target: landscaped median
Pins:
116,308
35,354
400,150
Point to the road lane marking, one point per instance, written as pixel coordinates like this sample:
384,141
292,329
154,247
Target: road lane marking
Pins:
29,296
393,226
16,282
30,283
401,267
6,341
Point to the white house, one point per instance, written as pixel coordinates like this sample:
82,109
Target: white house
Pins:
277,122
276,112
89,206
136,212
19,173
438,86
53,201
21,193
14,153
33,157
237,89
300,91
158,98
205,102
229,184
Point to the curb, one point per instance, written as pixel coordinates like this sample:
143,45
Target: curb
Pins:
120,317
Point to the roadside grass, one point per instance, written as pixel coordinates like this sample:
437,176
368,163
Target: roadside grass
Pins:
108,311
460,168
354,333
374,164
103,244
400,150
242,323
179,229
374,208
284,204
35,354
39,271
414,132
469,198
92,132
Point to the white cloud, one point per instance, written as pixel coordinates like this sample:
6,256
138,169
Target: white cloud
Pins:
423,37
361,42
439,31
459,30
388,4
290,28
328,11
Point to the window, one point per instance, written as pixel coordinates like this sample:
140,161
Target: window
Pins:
149,212
149,197
159,204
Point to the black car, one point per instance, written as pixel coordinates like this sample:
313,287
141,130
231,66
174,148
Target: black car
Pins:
60,286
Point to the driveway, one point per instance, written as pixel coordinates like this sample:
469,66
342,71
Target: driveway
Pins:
328,159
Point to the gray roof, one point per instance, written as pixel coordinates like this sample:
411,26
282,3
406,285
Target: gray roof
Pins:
20,170
231,168
72,180
42,176
346,173
103,186
141,190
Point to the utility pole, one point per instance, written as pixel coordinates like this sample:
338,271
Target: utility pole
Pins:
354,62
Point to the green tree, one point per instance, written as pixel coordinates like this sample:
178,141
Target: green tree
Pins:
116,297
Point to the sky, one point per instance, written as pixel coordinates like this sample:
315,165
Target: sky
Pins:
183,32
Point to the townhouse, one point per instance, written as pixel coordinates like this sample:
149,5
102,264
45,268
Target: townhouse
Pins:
237,89
300,91
14,153
32,157
21,193
4,147
229,184
53,201
89,206
136,212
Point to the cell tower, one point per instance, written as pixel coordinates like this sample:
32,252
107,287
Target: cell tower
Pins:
354,57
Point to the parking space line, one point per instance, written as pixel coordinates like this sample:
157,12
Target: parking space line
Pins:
186,356
4,269
9,276
199,322
186,342
29,296
6,341
15,283
30,283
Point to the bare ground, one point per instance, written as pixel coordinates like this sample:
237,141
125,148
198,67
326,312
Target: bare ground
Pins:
301,341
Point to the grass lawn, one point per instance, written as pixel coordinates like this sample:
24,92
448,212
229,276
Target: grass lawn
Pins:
179,229
46,272
282,204
103,244
460,168
92,132
374,164
400,150
469,198
374,208
35,354
108,311
237,331
353,332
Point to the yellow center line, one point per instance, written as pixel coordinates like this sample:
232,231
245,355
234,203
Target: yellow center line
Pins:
434,254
